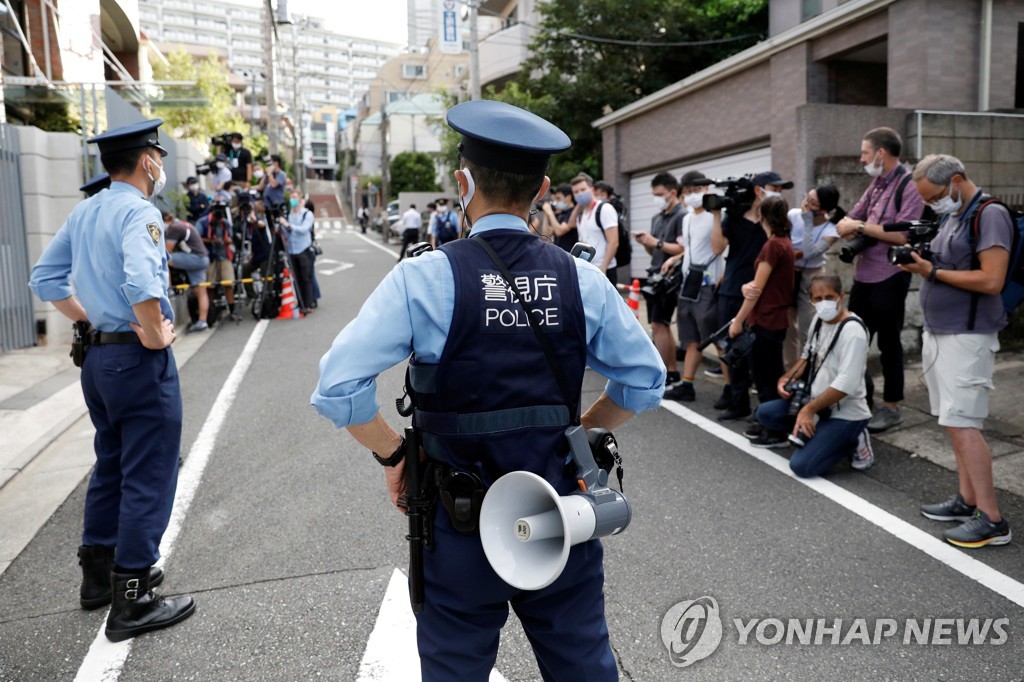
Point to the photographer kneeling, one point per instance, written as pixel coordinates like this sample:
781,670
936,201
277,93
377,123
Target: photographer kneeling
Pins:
824,402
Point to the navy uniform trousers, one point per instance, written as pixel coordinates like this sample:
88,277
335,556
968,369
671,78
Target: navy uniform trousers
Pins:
467,605
134,401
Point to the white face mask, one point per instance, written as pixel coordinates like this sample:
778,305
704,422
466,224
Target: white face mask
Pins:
257,174
158,182
695,200
442,209
827,310
872,169
193,188
946,204
769,193
236,145
220,164
660,203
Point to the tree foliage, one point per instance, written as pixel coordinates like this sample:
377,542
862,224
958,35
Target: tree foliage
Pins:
572,81
413,172
200,123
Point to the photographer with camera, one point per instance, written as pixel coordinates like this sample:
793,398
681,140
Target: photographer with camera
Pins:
814,231
221,174
260,235
963,314
823,406
215,230
879,288
272,185
298,226
660,243
186,252
739,230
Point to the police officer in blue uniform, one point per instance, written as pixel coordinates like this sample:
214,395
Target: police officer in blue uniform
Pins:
111,250
486,398
96,184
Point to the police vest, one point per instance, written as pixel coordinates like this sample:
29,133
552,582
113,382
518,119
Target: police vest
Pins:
491,404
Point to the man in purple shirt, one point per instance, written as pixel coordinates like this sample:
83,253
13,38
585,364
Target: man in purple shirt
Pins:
963,314
880,288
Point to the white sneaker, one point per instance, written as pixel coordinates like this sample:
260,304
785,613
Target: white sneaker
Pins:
864,455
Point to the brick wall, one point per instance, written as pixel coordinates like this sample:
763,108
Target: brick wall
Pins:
35,34
789,90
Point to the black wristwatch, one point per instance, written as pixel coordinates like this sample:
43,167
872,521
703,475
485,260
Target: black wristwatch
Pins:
934,273
661,243
396,457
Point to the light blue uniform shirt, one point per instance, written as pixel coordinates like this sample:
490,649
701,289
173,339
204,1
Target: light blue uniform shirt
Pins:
411,311
109,253
300,231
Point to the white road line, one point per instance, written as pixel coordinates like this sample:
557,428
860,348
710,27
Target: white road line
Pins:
982,573
391,652
105,659
377,245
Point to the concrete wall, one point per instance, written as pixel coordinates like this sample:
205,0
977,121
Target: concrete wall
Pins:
51,173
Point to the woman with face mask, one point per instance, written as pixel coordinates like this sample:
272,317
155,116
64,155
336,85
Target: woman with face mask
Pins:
813,232
823,406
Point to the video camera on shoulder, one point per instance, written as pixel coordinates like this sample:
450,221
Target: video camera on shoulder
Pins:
222,140
920,234
739,193
733,350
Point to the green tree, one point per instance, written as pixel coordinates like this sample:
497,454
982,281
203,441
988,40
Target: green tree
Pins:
582,79
218,115
413,172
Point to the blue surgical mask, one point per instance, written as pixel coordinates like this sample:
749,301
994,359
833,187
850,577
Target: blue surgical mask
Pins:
293,202
584,198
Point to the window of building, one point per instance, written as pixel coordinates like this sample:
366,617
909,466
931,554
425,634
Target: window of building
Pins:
414,71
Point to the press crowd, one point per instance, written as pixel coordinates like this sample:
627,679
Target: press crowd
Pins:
737,265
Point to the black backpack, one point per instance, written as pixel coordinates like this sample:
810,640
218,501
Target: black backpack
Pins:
624,254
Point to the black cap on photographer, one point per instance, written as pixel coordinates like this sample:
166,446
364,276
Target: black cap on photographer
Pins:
772,178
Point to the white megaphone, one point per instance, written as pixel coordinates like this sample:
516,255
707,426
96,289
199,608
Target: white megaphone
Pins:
527,529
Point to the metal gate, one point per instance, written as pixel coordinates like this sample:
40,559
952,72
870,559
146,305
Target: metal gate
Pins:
16,325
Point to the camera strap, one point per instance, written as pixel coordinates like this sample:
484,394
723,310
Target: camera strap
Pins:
542,339
812,362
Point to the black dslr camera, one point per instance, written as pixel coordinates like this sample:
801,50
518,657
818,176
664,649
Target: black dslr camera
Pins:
733,349
920,234
799,395
222,140
663,284
205,167
739,193
852,248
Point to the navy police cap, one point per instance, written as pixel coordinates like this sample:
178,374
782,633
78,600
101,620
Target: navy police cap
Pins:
96,184
506,138
134,136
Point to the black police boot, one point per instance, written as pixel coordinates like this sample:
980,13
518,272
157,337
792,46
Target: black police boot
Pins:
97,563
136,609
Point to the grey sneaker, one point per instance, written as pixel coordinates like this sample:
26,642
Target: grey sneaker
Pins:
978,532
200,326
885,418
953,509
864,455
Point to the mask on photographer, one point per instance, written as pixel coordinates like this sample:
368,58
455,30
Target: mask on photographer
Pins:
660,203
193,188
872,169
560,205
694,200
584,198
236,145
946,204
258,174
827,310
220,165
769,193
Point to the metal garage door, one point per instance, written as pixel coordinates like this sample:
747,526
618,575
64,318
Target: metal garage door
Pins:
641,208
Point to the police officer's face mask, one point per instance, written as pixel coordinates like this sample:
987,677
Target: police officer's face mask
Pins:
158,182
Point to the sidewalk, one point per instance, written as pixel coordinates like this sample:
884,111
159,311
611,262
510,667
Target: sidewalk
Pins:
47,437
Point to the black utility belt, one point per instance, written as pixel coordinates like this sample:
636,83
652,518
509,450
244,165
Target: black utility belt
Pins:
98,338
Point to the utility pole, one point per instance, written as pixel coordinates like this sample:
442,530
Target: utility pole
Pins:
474,53
297,160
385,169
3,107
268,66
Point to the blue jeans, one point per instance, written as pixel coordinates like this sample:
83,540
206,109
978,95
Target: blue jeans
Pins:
834,439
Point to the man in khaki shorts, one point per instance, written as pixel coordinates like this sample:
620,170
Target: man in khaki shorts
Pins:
963,314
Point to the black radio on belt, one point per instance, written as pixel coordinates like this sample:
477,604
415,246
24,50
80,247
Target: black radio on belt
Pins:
79,341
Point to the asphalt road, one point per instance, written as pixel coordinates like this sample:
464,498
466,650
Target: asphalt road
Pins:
290,542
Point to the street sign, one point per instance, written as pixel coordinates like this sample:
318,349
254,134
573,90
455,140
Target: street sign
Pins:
449,31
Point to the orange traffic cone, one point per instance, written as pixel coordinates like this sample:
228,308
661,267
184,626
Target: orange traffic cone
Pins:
288,309
634,298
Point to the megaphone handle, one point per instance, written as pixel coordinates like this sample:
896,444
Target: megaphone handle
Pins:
586,467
